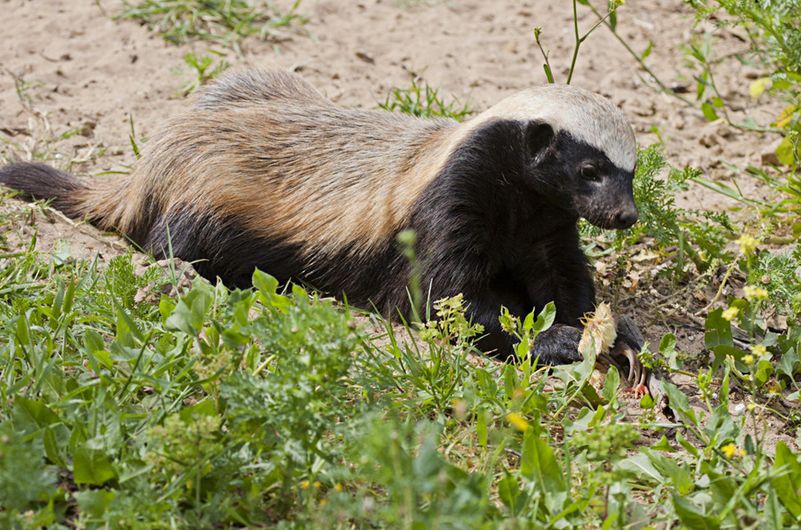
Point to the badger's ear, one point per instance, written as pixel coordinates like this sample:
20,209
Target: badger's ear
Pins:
538,138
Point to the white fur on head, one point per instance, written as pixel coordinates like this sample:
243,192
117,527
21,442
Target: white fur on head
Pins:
588,117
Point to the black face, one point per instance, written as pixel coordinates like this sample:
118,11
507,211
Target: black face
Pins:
580,178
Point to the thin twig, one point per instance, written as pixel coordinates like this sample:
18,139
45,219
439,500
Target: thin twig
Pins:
577,44
642,64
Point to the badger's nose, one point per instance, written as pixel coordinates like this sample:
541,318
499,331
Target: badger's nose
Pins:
626,218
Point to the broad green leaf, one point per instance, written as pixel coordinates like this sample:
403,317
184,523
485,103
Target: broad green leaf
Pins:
692,516
95,502
126,327
23,331
612,383
538,464
647,402
774,513
667,343
36,411
51,447
663,445
528,322
90,466
789,363
717,330
787,479
265,283
545,319
190,312
641,467
268,288
709,111
509,492
92,341
679,402
680,477
204,407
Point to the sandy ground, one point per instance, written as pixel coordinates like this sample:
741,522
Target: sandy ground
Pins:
89,72
73,78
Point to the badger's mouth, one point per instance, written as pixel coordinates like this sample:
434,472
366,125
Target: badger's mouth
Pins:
612,219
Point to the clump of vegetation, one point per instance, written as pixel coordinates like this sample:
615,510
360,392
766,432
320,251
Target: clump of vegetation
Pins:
112,415
774,32
204,68
215,20
420,99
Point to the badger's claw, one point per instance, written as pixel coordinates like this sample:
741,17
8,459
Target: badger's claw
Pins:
625,359
637,391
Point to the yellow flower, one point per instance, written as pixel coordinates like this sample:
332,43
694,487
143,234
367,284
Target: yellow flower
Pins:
748,244
731,313
755,293
750,407
786,116
748,359
338,487
517,421
304,484
759,350
732,451
729,450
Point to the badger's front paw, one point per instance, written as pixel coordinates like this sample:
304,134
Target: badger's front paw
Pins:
557,345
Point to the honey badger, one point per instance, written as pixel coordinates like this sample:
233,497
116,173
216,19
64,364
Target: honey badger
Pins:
263,171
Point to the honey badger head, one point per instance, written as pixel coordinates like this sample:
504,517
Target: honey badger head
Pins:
579,152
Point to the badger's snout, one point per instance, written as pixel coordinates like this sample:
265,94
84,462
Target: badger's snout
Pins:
625,218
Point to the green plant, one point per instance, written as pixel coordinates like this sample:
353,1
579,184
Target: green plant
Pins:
610,18
216,20
204,69
424,101
774,31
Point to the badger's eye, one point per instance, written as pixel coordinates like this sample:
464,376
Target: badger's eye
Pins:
589,172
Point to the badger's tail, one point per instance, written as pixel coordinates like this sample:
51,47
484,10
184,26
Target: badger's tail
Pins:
41,182
114,205
66,192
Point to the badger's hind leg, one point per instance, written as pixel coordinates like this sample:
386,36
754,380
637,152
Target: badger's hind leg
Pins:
221,246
